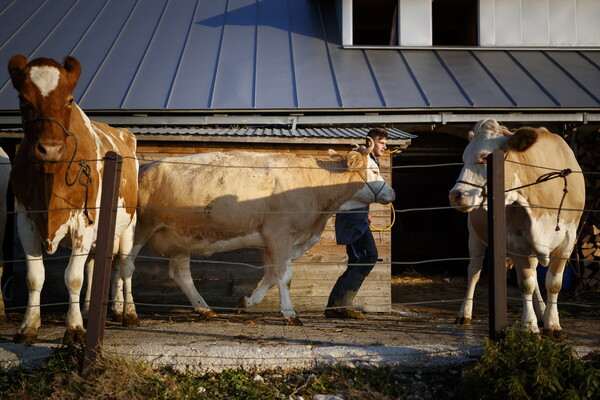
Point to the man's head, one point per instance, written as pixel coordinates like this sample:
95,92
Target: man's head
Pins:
379,136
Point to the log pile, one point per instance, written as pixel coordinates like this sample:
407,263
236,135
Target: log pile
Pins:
588,245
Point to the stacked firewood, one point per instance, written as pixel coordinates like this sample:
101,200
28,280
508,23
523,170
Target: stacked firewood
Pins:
588,155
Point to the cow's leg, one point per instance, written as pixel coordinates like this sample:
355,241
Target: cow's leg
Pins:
89,274
126,267
116,292
74,274
554,278
179,271
538,301
284,279
28,332
278,257
527,278
267,282
476,253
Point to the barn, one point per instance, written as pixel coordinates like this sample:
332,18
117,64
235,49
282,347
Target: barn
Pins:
303,76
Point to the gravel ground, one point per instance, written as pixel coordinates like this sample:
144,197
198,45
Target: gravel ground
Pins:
415,336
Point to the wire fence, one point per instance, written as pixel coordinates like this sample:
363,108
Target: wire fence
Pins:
241,263
265,358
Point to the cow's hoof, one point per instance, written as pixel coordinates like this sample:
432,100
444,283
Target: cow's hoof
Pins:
206,314
27,336
554,333
3,319
242,304
117,317
288,321
463,321
131,320
74,335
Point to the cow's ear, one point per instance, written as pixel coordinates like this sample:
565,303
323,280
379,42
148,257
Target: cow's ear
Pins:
334,154
470,136
522,139
16,69
356,160
73,67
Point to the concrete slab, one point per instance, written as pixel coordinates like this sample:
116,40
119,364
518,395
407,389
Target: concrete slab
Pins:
412,336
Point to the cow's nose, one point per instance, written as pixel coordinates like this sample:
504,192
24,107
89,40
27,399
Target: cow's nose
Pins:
454,197
49,151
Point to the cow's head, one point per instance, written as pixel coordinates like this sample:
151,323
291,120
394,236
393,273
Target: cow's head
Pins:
469,191
375,189
45,100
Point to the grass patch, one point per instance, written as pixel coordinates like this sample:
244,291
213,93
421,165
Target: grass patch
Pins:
123,378
525,366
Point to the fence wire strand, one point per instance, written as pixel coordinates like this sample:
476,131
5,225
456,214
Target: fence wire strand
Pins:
249,265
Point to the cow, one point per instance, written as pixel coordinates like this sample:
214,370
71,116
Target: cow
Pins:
544,194
278,203
4,178
57,180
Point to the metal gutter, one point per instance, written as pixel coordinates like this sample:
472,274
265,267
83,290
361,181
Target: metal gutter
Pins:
327,120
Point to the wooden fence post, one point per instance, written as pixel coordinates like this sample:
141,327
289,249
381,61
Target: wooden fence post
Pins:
496,245
107,217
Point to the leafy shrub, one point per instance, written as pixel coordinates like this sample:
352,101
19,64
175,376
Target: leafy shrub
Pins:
523,365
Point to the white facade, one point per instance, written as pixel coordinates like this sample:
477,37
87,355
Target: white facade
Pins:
539,22
501,22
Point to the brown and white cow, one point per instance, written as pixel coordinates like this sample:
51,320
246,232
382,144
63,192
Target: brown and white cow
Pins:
541,224
56,178
279,203
4,178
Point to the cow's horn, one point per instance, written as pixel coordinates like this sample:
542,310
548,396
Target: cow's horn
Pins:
371,145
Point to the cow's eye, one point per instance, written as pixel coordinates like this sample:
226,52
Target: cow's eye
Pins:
71,101
482,159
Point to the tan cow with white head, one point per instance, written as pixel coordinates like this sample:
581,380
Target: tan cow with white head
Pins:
541,224
279,203
56,178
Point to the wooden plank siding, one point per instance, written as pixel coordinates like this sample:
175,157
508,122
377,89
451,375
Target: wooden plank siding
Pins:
221,282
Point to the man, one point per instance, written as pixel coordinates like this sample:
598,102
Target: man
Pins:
352,229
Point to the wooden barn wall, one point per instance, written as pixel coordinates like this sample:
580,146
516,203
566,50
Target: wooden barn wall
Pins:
222,283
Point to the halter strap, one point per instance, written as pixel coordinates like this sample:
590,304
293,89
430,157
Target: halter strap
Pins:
83,175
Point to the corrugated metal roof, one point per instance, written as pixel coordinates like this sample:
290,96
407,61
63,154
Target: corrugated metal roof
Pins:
272,55
336,133
395,135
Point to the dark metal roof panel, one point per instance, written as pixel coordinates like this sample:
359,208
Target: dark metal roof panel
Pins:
579,68
396,81
193,86
315,86
125,57
551,80
153,82
155,55
438,85
474,79
275,86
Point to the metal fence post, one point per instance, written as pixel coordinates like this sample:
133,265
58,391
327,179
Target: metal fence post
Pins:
107,216
496,245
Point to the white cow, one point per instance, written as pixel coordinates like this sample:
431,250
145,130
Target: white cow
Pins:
545,195
279,203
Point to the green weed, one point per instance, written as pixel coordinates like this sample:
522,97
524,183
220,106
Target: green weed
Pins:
525,366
